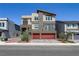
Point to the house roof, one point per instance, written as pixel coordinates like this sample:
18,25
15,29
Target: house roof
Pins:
43,11
3,19
70,22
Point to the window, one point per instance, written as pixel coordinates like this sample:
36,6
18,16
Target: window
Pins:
53,27
35,26
69,25
74,25
2,24
25,22
48,17
47,26
36,18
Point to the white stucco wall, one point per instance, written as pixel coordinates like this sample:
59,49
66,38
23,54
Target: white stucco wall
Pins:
29,22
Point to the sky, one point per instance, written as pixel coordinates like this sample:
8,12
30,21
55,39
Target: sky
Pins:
63,11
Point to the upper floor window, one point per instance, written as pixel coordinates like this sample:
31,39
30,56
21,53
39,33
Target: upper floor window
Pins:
36,18
2,24
48,17
35,26
47,27
71,25
25,22
74,25
68,25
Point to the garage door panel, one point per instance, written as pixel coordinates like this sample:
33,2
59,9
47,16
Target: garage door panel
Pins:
36,36
76,37
48,36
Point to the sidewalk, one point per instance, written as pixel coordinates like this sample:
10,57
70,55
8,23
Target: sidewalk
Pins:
39,44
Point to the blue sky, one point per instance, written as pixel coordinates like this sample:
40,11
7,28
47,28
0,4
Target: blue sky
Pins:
15,11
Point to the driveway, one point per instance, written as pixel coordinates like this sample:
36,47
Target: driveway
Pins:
45,41
76,41
17,39
13,40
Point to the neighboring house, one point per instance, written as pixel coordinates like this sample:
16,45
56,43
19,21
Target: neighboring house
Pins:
41,25
67,27
8,28
72,26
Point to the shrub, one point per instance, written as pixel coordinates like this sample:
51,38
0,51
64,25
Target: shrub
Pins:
62,36
25,36
1,38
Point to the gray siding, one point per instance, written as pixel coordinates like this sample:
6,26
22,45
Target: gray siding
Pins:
59,27
13,30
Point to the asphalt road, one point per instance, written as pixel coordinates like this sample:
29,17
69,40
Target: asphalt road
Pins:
39,50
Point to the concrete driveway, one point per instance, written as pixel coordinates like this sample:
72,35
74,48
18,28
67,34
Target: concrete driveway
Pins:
45,41
76,41
13,40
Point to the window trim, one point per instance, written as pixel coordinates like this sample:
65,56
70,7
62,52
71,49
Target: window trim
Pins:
36,26
2,24
36,18
48,18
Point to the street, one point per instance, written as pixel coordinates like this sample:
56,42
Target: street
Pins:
39,50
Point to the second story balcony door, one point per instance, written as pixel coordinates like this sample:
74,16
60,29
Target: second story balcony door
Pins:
49,27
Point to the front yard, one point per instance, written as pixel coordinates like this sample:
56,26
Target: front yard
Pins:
18,40
24,38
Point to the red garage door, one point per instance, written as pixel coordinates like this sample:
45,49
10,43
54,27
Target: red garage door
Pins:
36,36
47,36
